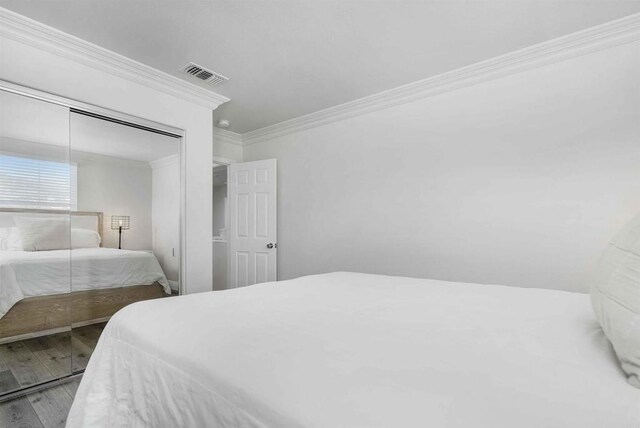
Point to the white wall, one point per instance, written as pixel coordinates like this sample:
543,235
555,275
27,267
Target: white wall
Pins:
116,187
515,181
166,214
23,64
225,150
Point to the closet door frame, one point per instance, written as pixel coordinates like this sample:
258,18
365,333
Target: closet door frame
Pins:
126,120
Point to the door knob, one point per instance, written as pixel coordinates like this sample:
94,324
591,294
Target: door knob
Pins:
270,245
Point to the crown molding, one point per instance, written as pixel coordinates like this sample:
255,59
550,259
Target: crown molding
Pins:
219,160
165,161
227,136
36,34
80,157
610,34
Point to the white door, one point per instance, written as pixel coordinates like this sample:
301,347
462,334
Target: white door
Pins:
252,222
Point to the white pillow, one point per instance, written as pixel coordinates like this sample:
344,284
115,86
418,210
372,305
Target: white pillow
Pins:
10,239
43,234
615,297
85,238
4,236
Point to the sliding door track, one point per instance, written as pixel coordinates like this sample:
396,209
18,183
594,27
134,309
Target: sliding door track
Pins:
39,387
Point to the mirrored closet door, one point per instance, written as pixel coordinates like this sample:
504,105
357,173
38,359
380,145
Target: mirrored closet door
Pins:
126,226
90,222
37,197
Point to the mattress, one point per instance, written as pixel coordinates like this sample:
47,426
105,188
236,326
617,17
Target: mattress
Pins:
355,350
40,273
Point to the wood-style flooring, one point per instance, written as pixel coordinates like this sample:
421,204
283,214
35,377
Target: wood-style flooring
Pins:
32,361
45,409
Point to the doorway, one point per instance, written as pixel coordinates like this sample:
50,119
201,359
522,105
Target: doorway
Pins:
244,223
220,230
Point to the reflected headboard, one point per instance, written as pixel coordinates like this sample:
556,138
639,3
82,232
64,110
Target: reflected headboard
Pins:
79,219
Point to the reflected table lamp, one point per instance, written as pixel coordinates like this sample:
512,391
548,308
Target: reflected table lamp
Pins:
120,223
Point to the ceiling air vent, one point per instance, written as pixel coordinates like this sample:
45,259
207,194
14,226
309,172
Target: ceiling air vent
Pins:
203,74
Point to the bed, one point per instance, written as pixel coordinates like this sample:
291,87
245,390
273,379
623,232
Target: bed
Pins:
35,297
356,350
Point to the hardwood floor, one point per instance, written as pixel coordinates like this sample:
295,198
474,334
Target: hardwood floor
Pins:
29,362
45,409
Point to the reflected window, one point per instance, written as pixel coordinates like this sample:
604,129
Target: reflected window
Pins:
37,183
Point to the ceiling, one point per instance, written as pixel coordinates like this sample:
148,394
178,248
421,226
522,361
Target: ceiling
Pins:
290,58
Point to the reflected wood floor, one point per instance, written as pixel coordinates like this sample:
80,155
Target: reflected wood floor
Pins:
32,361
45,409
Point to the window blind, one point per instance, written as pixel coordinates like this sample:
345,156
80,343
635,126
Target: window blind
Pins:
37,183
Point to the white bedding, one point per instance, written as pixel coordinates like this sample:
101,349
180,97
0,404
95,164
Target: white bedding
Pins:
355,350
38,273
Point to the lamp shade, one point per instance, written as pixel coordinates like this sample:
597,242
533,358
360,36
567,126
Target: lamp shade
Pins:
118,221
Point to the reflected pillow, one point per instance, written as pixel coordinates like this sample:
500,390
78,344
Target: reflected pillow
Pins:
13,242
43,234
4,236
85,238
615,297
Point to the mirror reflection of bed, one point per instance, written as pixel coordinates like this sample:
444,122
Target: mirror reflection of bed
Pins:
89,223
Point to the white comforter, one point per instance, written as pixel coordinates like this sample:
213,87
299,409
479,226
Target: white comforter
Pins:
354,350
38,273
